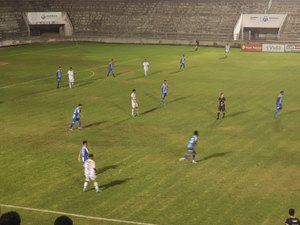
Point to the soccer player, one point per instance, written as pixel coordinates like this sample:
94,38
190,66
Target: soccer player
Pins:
90,173
110,68
76,117
83,153
146,67
279,103
182,62
71,77
221,105
191,148
164,91
197,45
134,104
292,220
227,49
58,76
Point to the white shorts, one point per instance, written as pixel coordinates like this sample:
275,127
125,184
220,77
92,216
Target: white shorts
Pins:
90,177
134,104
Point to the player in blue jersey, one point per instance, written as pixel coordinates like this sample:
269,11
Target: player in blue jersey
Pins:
191,148
83,153
279,103
110,68
182,62
58,76
76,117
164,91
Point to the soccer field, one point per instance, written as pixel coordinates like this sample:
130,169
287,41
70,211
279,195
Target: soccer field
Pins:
248,163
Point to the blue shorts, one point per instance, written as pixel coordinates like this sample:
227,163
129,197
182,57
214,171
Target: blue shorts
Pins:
76,119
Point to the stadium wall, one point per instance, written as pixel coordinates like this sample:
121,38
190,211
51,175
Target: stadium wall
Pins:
215,43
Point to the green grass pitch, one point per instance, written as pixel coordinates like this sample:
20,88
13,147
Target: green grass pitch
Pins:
248,163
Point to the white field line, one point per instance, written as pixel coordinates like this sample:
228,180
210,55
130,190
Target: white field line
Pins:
74,215
46,78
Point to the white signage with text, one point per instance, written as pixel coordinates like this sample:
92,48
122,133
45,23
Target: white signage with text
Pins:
263,20
273,48
36,18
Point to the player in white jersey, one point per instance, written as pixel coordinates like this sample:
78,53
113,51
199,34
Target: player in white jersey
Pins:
182,62
227,49
71,77
90,173
146,67
191,148
134,104
164,91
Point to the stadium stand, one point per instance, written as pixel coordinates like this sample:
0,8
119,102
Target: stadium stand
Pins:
12,24
291,30
167,19
151,19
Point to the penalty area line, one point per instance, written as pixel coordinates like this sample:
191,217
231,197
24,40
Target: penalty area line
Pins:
74,215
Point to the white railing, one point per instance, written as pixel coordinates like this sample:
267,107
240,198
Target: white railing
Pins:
270,4
237,28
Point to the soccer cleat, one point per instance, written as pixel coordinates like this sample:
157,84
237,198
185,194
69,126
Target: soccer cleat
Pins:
98,190
84,189
194,161
182,159
79,127
70,129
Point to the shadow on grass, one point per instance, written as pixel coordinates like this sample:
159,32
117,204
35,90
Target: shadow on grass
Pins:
155,72
222,58
119,107
152,97
150,110
292,111
237,113
113,183
177,71
84,83
105,168
120,122
179,99
266,109
94,124
209,112
215,155
136,77
216,122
